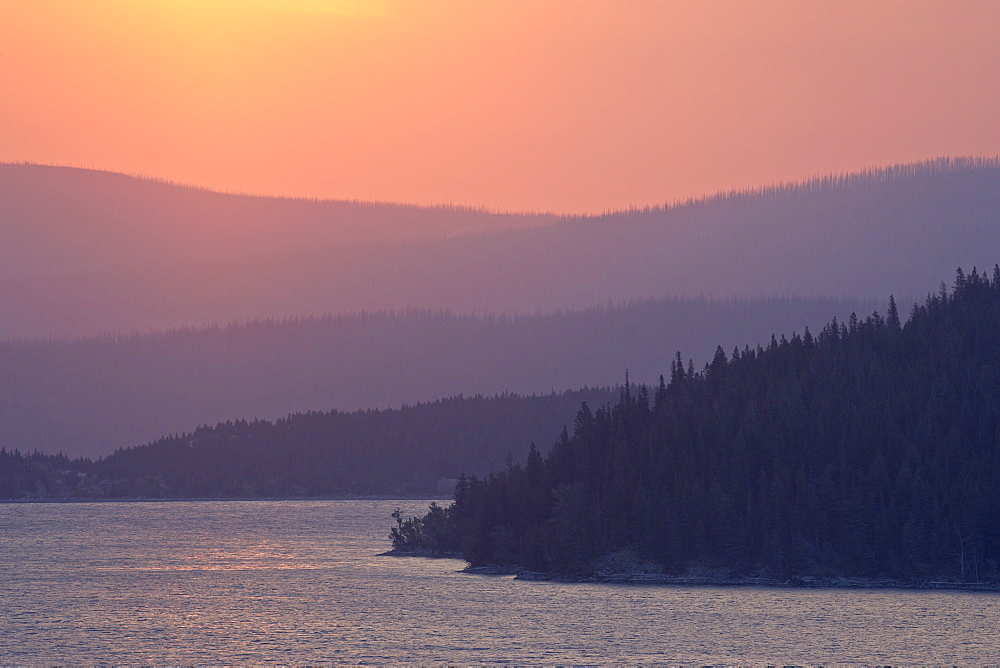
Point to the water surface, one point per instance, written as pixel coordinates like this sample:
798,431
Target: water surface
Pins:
299,582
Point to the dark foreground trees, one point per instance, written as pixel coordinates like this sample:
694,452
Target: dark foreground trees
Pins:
871,449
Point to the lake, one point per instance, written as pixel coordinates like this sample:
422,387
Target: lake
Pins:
212,582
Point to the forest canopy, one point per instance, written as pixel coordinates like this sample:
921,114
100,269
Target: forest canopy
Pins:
871,449
408,451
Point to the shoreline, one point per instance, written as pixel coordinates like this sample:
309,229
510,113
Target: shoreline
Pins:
181,499
423,554
795,582
659,579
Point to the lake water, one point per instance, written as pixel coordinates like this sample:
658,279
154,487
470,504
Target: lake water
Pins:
299,582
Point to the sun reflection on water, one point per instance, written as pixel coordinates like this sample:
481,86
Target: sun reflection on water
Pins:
299,582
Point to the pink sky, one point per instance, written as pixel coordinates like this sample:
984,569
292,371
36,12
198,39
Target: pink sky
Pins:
567,106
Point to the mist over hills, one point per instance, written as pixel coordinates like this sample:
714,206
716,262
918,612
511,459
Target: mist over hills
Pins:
88,252
91,396
92,252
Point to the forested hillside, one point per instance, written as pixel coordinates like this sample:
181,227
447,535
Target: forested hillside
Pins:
869,449
123,255
91,396
410,451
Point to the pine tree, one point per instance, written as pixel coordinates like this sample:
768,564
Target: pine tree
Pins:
892,315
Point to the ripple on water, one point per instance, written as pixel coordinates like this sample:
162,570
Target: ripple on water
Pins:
299,582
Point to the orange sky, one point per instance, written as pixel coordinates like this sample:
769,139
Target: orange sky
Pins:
571,106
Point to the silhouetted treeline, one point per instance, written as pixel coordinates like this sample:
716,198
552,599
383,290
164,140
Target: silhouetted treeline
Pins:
40,476
866,179
409,451
871,449
91,396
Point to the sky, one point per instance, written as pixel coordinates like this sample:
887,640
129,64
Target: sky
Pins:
569,106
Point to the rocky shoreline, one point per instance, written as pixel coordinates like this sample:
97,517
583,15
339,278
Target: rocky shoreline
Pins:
646,578
173,499
794,582
426,554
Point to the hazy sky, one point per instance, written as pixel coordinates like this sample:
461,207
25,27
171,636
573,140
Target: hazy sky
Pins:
577,105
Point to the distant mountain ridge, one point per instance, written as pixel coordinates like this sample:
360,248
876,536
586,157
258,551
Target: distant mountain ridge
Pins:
413,450
141,255
91,396
67,219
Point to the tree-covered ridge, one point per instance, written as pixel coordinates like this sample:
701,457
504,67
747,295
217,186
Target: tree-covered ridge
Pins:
406,451
871,449
76,264
89,397
864,179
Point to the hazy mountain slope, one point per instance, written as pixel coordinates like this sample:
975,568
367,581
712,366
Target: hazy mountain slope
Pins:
417,449
63,220
888,231
92,396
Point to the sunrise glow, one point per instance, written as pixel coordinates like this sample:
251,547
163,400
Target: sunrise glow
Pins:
559,106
